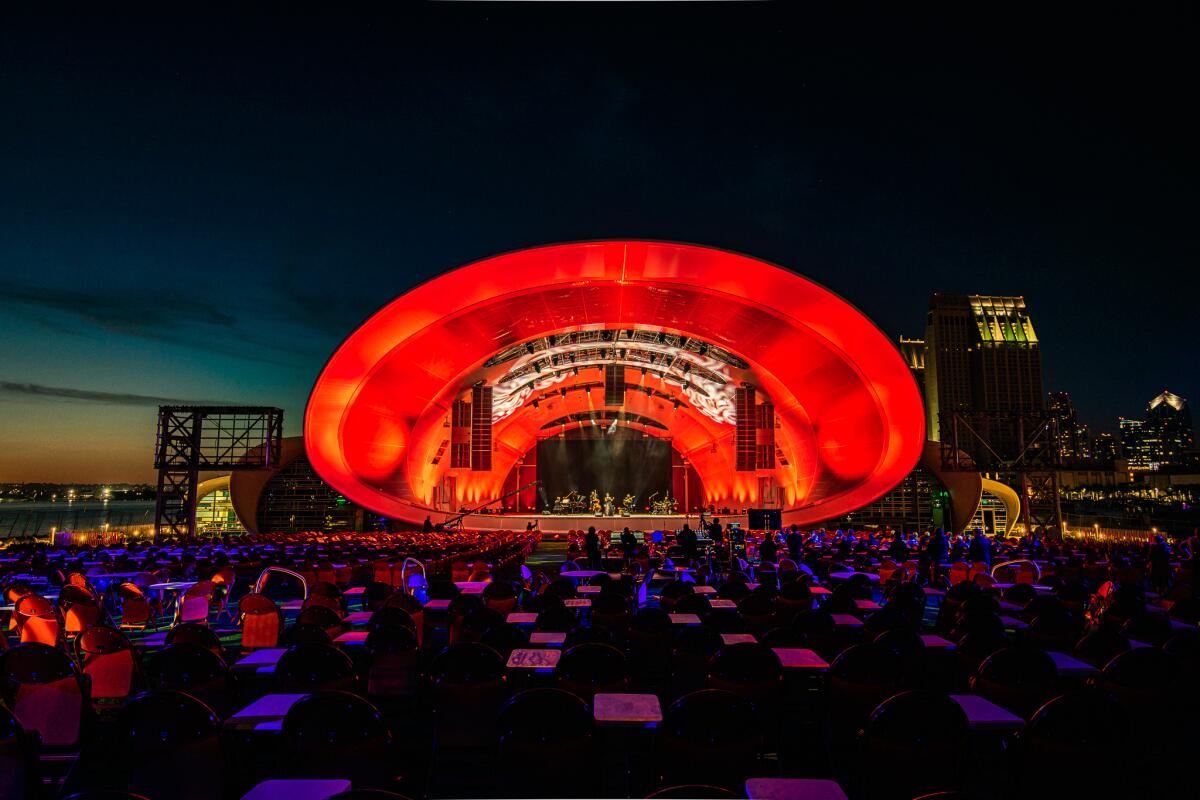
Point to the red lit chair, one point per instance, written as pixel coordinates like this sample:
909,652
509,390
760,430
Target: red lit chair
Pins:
223,581
193,605
136,612
107,658
80,580
261,621
12,593
79,608
326,573
382,573
37,620
45,692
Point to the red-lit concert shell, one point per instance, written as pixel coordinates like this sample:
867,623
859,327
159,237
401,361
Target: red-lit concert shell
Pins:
850,418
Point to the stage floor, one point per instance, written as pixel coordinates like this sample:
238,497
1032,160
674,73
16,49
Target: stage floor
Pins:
564,523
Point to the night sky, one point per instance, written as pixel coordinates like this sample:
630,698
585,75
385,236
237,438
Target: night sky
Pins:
201,209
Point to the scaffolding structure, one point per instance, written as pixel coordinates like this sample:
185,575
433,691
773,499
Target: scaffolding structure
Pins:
194,439
1021,447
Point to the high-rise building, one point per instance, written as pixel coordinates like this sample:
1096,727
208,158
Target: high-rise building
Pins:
913,353
981,354
1133,445
1167,434
1073,438
1106,448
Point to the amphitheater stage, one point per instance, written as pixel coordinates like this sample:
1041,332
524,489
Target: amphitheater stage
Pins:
563,523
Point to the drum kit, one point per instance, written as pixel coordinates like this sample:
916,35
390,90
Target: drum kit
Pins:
663,507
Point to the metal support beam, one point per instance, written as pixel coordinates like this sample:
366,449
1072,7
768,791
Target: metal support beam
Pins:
1023,446
195,438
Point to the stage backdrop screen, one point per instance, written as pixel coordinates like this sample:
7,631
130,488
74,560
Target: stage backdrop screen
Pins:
619,466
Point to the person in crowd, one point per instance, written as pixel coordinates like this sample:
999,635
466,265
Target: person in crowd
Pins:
591,546
687,540
768,551
1160,565
427,525
795,543
980,549
937,546
715,531
628,543
898,550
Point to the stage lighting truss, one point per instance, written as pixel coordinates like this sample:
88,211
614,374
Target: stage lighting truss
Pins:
594,417
697,369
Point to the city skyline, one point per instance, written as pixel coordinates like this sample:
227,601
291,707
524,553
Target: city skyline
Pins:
201,209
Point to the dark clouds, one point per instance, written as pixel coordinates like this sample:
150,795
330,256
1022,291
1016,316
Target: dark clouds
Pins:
35,391
179,317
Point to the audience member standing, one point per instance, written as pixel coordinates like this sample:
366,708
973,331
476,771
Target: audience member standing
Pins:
686,539
591,544
980,549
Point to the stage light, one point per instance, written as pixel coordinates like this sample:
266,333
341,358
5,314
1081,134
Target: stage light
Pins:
535,402
537,368
563,391
662,337
686,368
571,356
621,353
703,348
529,347
676,404
551,339
629,334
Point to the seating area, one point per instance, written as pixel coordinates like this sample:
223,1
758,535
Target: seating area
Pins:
497,665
